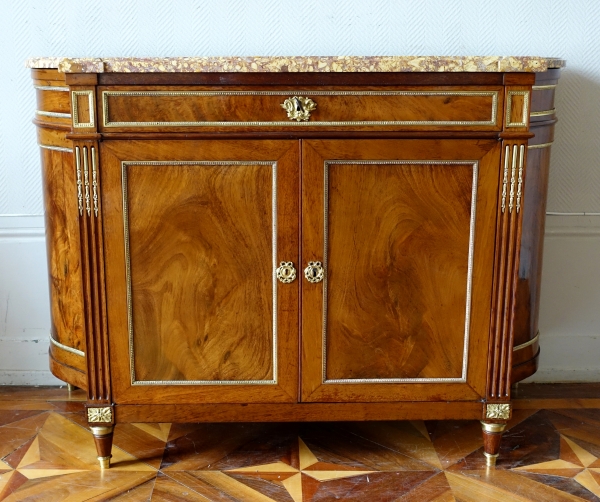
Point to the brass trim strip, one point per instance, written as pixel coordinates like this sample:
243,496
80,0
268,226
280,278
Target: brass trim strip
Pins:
66,347
527,344
94,182
543,87
509,96
505,180
56,148
543,112
520,179
463,377
124,165
541,145
86,181
513,169
492,121
75,111
50,88
57,115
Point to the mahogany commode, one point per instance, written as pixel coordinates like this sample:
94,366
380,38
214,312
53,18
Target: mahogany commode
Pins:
291,239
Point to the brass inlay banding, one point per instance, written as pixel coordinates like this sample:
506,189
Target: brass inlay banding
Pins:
75,110
520,179
86,181
124,166
543,87
57,115
523,120
463,377
66,347
541,145
79,183
527,344
50,88
56,148
491,121
94,182
543,112
505,180
511,199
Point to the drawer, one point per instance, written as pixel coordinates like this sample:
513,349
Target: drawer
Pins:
438,108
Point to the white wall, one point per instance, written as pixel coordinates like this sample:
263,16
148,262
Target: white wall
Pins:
570,322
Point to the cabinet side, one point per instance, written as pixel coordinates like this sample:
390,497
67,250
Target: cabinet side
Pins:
52,119
526,348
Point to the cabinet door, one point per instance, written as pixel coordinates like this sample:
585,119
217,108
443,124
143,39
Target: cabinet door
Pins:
405,232
193,233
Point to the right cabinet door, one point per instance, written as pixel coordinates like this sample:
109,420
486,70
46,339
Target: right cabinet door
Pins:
404,230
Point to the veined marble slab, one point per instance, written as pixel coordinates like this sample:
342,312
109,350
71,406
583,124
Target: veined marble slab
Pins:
300,64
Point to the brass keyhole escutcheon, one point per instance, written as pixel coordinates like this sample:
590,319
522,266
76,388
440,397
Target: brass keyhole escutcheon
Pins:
314,272
298,108
286,272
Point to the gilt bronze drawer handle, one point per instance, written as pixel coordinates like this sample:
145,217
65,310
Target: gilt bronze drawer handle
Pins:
314,272
286,272
298,108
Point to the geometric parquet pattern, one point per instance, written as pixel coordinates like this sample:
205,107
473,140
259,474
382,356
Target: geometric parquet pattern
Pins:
47,454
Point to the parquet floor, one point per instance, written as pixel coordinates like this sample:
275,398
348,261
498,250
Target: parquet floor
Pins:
48,454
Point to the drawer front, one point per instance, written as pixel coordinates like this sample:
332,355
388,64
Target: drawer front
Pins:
401,109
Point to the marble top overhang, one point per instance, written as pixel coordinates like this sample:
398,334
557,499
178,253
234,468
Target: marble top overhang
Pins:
279,64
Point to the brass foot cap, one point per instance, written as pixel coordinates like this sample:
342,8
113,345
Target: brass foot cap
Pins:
490,460
71,388
104,462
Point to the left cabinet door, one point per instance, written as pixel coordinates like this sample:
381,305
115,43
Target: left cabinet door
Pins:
194,232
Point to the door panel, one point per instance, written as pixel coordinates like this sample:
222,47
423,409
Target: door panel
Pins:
403,311
197,229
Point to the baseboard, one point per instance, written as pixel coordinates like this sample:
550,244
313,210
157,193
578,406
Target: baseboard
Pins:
28,377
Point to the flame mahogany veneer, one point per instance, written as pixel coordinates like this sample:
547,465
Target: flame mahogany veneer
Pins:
172,199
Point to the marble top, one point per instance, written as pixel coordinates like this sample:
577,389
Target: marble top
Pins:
300,64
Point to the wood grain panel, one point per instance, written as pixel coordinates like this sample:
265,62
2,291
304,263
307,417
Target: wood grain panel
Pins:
368,283
62,242
134,108
201,254
202,270
398,240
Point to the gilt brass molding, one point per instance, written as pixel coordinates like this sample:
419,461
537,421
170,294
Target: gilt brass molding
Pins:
543,87
541,113
56,148
58,115
527,344
525,114
541,145
50,88
103,415
500,411
463,377
66,347
351,123
124,165
75,108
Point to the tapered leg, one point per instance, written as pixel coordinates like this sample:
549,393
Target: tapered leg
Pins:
103,437
492,434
